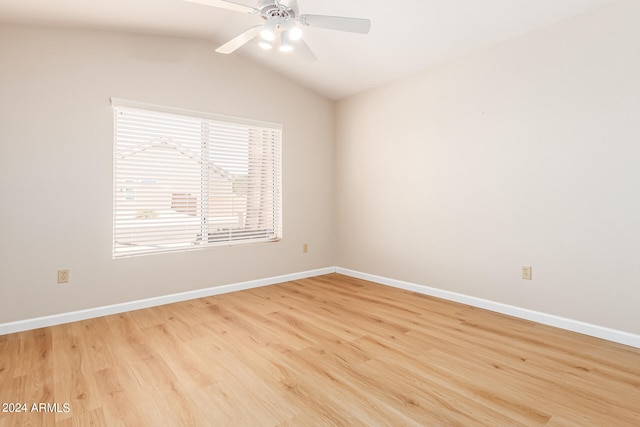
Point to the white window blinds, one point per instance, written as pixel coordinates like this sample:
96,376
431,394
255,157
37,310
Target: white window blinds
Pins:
188,180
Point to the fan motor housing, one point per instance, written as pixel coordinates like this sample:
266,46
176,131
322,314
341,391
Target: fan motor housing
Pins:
284,9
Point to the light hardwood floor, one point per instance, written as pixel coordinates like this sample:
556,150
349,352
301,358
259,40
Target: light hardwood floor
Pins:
330,350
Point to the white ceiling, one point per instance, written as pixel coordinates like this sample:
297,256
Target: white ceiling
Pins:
406,35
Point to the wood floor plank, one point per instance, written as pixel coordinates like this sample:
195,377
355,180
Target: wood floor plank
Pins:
456,397
325,351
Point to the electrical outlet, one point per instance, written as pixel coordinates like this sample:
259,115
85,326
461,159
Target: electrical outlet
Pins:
305,248
63,276
526,272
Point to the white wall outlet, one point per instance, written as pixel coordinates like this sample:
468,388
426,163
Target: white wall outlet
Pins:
63,276
526,272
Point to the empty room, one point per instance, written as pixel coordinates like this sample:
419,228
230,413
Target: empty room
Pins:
298,213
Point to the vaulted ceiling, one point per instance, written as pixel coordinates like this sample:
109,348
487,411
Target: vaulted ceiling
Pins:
406,35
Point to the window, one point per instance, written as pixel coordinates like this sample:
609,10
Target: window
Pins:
188,180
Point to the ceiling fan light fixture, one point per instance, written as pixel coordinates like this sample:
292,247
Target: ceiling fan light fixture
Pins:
285,42
270,27
265,44
295,33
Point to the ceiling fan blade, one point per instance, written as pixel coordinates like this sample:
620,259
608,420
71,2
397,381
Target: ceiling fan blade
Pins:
229,5
352,25
303,51
240,40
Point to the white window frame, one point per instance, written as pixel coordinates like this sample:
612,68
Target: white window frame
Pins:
187,180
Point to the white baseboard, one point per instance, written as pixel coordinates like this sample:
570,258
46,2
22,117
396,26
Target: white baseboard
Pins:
535,316
522,313
57,319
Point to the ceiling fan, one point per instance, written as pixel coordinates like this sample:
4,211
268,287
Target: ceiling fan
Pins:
281,27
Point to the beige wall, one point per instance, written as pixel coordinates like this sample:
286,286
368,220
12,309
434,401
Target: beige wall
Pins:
523,154
56,166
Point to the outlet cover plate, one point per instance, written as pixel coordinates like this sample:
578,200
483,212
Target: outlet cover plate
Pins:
63,276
